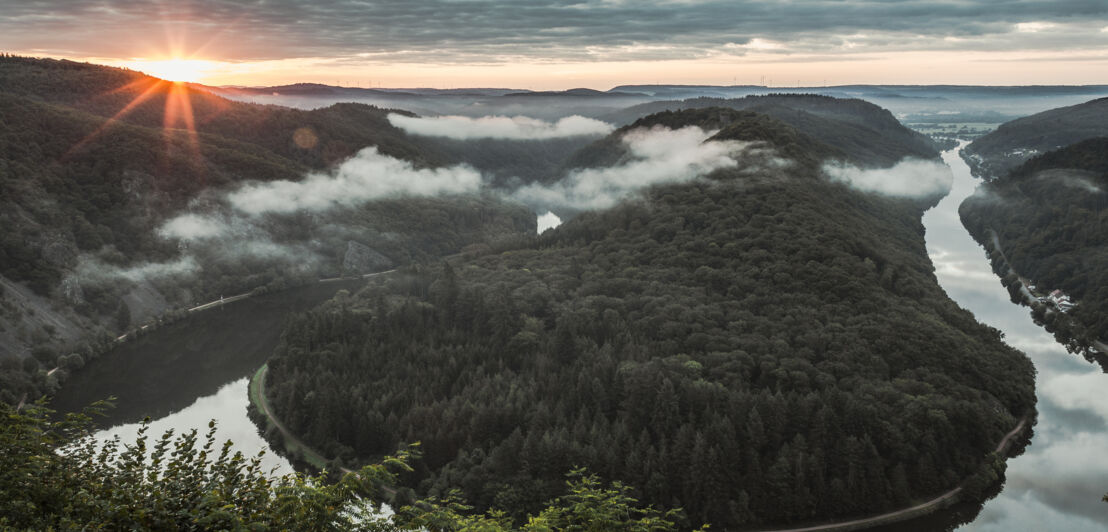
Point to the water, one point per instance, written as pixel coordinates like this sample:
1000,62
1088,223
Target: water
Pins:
195,370
1058,482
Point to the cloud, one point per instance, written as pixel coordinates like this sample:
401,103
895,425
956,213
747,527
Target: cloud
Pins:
191,227
1079,179
546,222
658,155
499,127
502,31
910,178
367,176
94,270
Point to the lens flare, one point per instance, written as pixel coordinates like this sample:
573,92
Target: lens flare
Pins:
177,69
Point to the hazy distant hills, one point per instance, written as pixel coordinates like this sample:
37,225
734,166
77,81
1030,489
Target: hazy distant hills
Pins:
872,136
1015,142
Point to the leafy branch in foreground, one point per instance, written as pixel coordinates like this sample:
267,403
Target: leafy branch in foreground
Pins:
55,475
589,506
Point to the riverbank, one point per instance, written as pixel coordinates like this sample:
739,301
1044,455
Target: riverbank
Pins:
291,445
1059,324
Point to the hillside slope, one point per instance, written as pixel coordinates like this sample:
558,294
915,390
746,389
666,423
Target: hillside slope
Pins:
1015,142
758,346
871,134
95,161
1049,216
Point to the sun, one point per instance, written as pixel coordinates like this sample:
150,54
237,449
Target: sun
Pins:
178,69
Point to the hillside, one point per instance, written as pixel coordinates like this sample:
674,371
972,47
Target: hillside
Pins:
1050,215
872,135
85,199
1015,142
722,345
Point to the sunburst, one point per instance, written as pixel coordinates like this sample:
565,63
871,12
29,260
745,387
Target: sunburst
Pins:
178,114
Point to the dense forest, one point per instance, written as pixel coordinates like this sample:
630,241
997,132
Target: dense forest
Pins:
1050,217
94,160
757,346
1014,143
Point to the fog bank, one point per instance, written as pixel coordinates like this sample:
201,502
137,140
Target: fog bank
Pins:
369,175
910,178
658,155
499,127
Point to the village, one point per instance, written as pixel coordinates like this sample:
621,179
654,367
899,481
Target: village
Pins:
1057,298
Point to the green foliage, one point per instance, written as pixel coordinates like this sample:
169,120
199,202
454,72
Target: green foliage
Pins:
55,476
588,507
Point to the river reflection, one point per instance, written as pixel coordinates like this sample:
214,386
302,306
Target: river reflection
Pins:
228,408
1058,482
195,370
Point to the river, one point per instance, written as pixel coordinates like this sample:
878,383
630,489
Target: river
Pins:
1057,483
189,372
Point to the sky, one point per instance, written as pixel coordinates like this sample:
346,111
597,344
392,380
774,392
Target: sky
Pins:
560,44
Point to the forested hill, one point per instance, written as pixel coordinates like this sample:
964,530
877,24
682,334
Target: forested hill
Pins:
1051,219
757,347
868,132
1015,142
729,124
328,135
83,195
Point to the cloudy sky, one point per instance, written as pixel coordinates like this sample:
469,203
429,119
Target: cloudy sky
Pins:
550,44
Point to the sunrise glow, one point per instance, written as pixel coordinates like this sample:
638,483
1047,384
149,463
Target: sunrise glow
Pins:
179,69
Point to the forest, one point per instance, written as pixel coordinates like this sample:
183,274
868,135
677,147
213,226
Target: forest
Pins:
1049,216
723,346
93,160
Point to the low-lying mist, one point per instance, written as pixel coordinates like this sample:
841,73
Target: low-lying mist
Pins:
1079,179
658,155
367,176
286,223
910,178
499,127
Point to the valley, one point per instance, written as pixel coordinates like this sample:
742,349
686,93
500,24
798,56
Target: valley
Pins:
744,311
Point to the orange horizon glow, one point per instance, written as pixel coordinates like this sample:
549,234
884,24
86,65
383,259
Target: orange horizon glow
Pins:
905,68
173,69
763,63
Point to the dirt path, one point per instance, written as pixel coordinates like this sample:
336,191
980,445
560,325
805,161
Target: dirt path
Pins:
906,512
